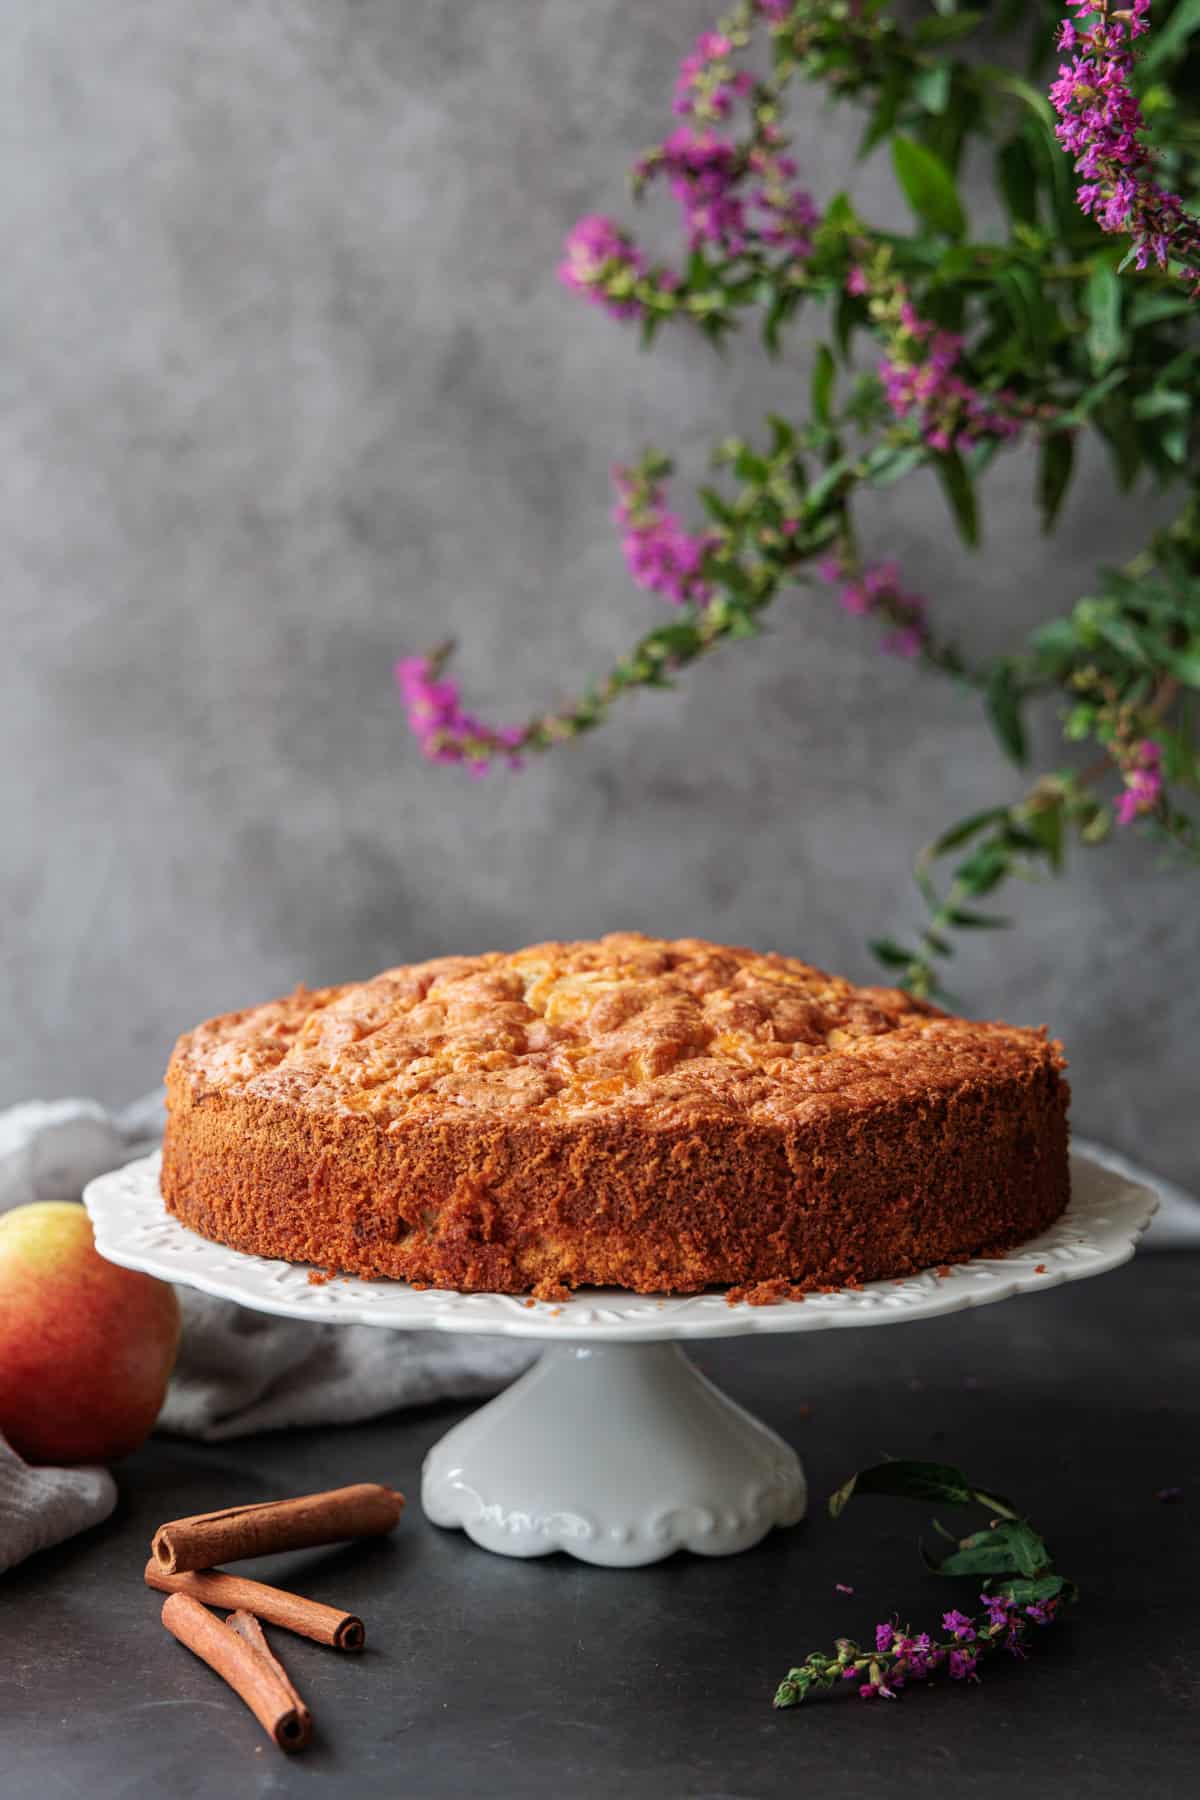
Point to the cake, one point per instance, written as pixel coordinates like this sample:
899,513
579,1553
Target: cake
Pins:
650,1114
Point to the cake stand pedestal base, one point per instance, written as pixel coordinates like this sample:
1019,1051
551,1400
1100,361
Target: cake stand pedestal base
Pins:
619,1454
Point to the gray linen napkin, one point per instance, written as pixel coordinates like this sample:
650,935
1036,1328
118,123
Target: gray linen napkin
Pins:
41,1507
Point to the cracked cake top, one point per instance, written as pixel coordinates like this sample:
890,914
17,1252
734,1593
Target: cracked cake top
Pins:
669,1030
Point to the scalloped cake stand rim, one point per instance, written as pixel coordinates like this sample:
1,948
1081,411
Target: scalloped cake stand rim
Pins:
1099,1230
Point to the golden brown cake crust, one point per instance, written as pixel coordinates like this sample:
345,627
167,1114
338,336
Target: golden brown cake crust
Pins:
652,1114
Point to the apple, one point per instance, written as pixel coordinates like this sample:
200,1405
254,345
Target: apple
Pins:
85,1347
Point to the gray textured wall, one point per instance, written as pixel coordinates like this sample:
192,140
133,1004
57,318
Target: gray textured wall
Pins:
289,388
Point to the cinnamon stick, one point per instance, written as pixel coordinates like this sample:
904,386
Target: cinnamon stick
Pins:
198,1542
308,1618
252,1676
252,1633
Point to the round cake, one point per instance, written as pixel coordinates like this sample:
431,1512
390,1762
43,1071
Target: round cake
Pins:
655,1115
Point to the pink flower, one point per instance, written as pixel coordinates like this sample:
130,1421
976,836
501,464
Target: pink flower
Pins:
1143,782
660,555
922,384
876,588
595,252
707,86
445,732
707,175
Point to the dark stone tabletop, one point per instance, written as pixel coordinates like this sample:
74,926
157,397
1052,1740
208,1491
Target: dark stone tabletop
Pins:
485,1675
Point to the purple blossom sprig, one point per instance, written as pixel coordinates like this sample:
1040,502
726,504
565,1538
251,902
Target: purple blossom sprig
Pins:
709,82
443,728
602,263
900,1656
1021,1590
1141,769
923,368
737,197
1102,126
874,589
660,554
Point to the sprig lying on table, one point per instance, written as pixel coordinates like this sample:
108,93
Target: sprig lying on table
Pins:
1020,1589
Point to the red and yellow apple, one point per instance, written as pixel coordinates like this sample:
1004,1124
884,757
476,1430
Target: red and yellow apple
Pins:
85,1347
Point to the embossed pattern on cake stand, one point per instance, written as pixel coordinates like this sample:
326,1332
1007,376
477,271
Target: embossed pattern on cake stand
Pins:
614,1447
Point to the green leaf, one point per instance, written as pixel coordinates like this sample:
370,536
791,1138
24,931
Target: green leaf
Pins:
1184,665
932,88
929,187
1009,1546
1104,335
1119,431
1021,90
1169,39
886,464
1018,180
1056,459
823,373
1161,403
1047,825
1002,697
1150,308
828,480
846,315
882,122
967,828
1027,304
976,921
839,217
783,434
907,1480
983,870
960,495
1025,1589
945,28
717,507
893,955
781,309
1094,394
750,468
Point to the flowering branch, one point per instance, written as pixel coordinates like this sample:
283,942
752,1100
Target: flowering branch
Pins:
1021,1589
978,346
1101,125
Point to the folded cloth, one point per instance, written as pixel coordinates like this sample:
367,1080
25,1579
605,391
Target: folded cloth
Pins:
41,1507
240,1371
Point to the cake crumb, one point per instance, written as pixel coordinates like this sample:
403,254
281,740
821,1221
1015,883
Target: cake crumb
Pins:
763,1293
1041,1269
945,1270
319,1277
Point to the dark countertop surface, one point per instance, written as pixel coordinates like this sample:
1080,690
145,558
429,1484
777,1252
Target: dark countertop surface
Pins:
485,1675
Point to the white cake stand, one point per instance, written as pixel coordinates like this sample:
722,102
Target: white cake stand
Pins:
613,1446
